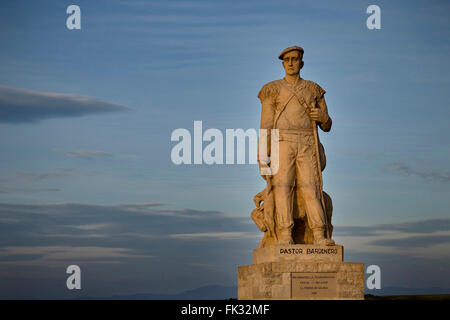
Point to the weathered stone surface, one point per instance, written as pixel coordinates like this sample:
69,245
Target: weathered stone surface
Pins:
307,285
345,280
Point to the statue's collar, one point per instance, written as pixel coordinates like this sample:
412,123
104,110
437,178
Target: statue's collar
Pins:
296,83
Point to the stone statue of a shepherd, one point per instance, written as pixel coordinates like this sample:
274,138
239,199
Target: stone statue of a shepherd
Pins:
293,208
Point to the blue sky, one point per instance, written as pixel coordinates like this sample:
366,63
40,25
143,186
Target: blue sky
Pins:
86,118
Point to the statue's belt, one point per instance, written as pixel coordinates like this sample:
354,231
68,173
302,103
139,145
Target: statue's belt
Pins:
296,131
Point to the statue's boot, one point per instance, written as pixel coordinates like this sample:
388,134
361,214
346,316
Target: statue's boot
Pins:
285,237
319,238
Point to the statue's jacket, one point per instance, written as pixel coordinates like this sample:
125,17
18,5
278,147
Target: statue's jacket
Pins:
276,95
285,107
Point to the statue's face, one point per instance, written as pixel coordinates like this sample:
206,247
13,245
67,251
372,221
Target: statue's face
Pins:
292,62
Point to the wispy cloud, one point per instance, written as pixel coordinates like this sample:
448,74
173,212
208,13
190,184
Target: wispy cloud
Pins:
411,242
35,176
169,4
28,190
93,226
133,218
83,153
63,255
143,205
412,227
94,154
430,174
56,174
429,238
217,235
18,105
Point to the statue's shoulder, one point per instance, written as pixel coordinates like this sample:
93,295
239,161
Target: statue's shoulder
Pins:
314,87
270,89
275,83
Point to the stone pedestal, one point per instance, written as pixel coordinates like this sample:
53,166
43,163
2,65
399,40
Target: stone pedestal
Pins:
300,272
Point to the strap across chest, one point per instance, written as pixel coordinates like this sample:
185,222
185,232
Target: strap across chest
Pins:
295,92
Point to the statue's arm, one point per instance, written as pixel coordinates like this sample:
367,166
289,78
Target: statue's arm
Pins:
267,114
267,95
325,125
267,117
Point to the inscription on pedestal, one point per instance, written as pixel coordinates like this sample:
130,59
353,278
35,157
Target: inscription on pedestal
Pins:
313,284
298,252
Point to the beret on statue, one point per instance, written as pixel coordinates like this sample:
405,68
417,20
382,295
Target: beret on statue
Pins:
289,50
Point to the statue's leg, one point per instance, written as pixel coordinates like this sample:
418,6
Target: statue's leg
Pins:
328,211
309,185
283,187
314,212
284,207
302,232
